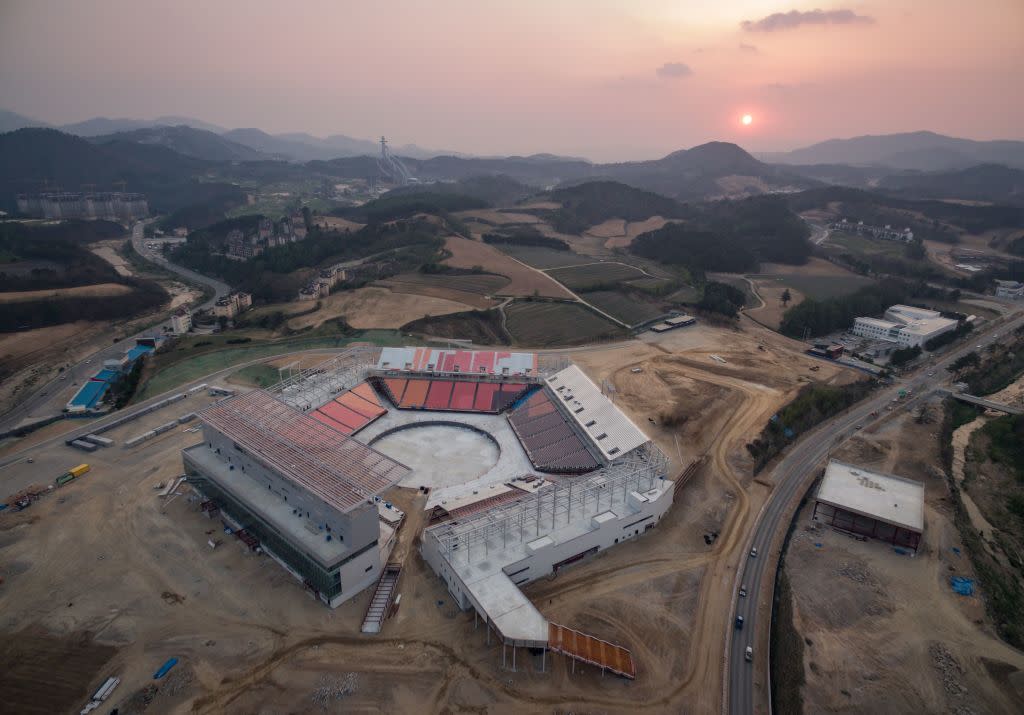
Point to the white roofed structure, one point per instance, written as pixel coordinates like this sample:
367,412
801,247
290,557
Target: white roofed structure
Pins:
871,503
477,362
606,425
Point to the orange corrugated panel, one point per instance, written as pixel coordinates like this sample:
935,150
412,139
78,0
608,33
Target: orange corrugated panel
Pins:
364,390
357,404
415,393
396,386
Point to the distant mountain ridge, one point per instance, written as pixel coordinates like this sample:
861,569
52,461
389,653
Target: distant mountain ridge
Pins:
921,151
195,143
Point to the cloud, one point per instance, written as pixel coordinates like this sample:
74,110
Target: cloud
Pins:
674,70
796,18
749,49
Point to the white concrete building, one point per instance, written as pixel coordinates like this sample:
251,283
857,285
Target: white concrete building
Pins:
301,491
1014,290
905,325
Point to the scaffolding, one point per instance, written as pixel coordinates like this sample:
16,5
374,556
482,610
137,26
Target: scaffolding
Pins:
339,470
314,386
551,508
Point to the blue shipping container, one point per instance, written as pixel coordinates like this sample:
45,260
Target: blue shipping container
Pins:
165,668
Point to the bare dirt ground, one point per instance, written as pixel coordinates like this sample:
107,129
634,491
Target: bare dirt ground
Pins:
107,250
542,205
335,223
884,632
634,229
739,185
523,280
139,576
98,290
770,292
494,216
612,228
813,267
447,287
375,307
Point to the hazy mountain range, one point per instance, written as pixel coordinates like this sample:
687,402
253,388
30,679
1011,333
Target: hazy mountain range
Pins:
160,157
921,151
291,146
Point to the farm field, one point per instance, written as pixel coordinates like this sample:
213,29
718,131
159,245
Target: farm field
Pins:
98,290
619,234
576,277
542,324
864,246
468,289
629,310
818,287
523,280
336,223
496,217
375,307
541,257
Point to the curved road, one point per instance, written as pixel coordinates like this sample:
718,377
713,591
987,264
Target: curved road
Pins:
792,477
45,399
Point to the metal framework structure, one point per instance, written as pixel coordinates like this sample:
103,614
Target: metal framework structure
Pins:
338,469
548,509
390,165
314,386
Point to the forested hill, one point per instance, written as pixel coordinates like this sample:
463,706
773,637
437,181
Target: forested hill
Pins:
585,205
731,236
45,159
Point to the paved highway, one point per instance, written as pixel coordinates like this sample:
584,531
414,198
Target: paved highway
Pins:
46,401
792,477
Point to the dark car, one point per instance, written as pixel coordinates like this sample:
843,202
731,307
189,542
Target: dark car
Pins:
739,622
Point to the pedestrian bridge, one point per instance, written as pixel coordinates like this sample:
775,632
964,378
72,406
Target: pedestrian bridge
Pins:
989,404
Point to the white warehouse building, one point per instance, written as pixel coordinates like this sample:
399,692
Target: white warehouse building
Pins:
905,325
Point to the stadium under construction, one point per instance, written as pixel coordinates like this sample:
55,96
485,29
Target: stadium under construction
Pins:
529,468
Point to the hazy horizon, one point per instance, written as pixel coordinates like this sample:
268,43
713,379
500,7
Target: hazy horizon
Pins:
598,79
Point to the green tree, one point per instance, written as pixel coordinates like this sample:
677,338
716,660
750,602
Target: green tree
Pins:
786,297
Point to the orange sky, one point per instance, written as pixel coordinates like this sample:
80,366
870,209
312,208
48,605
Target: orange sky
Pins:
596,78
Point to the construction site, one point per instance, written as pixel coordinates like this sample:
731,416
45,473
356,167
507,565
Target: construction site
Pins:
451,528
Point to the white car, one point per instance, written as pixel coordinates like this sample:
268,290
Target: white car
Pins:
748,654
753,552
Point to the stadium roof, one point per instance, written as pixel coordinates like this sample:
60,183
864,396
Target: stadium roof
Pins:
609,429
481,362
891,499
336,468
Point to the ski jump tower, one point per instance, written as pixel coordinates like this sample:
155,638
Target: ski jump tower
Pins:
391,166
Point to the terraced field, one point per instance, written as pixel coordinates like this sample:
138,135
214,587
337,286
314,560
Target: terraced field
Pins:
577,277
541,257
629,310
468,289
545,324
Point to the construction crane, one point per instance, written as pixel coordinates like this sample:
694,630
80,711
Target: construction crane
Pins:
391,166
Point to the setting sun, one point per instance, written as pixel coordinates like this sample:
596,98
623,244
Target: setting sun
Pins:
747,119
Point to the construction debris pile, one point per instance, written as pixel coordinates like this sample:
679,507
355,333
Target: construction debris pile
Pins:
333,688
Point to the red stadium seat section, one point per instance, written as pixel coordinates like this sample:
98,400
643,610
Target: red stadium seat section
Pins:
549,439
350,411
452,395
